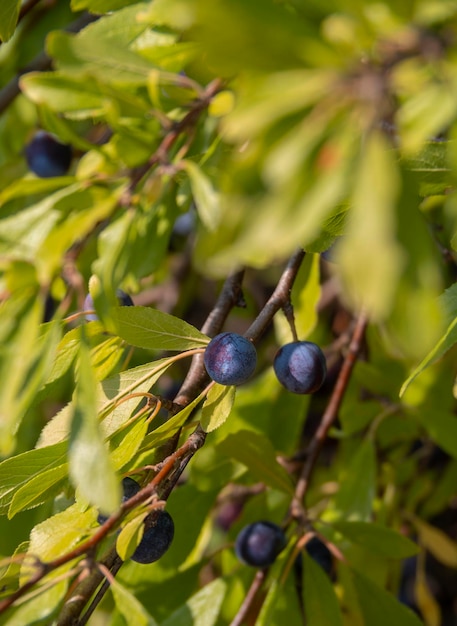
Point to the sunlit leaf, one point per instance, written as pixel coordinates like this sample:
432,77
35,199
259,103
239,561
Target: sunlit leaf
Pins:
91,468
217,407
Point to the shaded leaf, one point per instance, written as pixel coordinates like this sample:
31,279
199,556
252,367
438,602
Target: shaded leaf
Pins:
128,606
444,344
379,607
256,452
202,609
441,427
437,543
9,13
377,539
355,497
321,604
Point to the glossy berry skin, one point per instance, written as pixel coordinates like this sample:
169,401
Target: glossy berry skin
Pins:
230,359
259,544
129,487
157,537
300,366
47,157
123,298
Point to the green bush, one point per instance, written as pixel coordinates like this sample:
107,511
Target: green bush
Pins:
305,151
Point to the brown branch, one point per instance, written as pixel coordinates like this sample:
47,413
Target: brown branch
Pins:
197,378
250,597
279,299
329,416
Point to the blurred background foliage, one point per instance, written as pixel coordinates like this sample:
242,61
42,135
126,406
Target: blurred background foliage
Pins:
327,125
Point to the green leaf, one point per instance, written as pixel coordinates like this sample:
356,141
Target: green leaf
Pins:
155,330
370,234
128,606
256,452
424,115
172,425
446,342
441,427
202,609
104,48
9,13
217,407
65,94
437,543
355,497
93,205
321,604
115,406
41,607
37,489
25,187
25,359
130,536
379,607
205,196
60,533
305,297
378,539
125,445
432,167
91,468
100,6
17,471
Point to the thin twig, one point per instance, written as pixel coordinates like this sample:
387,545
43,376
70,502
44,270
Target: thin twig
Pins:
249,599
329,416
197,377
279,298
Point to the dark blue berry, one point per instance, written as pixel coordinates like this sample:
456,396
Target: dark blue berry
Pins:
300,366
319,552
48,157
259,544
123,299
158,535
230,359
129,488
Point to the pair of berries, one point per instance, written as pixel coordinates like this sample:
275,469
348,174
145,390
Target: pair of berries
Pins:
300,366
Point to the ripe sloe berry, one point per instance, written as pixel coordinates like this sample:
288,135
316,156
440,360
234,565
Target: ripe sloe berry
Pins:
48,157
129,487
230,359
259,544
123,298
157,537
300,366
